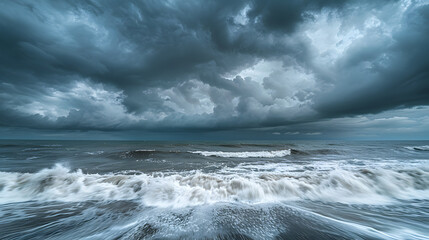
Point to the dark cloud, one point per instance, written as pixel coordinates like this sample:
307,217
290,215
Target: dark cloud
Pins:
380,73
284,16
171,65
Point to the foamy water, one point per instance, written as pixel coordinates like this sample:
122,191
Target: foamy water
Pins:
308,190
360,185
418,148
256,154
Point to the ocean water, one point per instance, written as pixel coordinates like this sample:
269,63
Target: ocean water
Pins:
214,190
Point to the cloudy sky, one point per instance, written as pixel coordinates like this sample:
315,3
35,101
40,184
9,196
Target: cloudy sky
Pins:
286,69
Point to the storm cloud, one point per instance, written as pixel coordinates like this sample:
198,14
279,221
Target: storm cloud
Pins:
294,66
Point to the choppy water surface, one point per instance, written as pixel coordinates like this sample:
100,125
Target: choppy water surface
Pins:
214,190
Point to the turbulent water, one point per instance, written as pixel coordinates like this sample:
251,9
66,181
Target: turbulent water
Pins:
214,190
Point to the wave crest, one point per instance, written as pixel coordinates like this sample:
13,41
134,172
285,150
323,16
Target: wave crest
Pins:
196,188
255,154
418,148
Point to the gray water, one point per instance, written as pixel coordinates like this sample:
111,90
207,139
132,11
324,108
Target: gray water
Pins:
214,190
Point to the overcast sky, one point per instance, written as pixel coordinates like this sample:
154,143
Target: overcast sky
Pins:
286,69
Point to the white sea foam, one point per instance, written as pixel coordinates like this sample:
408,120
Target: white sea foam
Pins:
95,153
144,150
256,154
372,186
418,148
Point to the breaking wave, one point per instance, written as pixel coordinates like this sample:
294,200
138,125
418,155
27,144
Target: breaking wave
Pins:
418,148
368,186
95,153
256,154
143,153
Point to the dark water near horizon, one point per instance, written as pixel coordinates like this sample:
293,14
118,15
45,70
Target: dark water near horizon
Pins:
214,190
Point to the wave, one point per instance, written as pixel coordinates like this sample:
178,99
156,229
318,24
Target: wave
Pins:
255,154
95,153
139,153
418,148
36,148
145,152
314,151
240,145
368,186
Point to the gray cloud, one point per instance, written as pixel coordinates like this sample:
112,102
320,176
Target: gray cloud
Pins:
382,72
194,65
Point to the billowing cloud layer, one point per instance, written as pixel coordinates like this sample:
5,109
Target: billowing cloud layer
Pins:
121,65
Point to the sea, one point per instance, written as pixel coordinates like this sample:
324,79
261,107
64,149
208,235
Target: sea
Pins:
214,190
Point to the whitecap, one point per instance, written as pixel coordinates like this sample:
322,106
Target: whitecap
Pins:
255,154
357,186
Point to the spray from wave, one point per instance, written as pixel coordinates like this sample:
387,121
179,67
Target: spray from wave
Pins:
418,148
255,154
196,188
